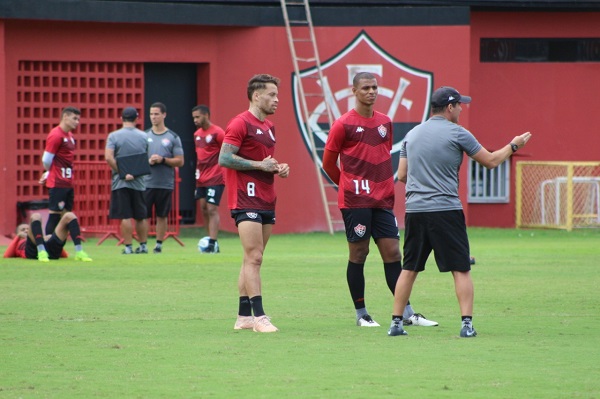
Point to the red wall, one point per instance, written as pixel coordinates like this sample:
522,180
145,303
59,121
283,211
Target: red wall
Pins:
234,55
299,207
557,102
7,163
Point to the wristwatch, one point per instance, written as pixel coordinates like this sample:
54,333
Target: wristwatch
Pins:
514,147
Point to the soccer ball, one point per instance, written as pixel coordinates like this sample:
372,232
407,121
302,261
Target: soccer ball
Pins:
203,244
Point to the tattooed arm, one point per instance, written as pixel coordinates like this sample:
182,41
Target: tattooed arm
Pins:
228,158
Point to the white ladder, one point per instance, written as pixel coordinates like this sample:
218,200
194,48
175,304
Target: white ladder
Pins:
301,39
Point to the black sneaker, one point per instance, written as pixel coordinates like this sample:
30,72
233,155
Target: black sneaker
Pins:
396,329
212,249
468,331
140,250
157,250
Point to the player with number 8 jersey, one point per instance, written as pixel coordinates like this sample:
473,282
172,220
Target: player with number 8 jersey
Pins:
247,154
251,189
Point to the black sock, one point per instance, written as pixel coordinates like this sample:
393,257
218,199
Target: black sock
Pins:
257,307
211,241
53,220
397,319
356,283
245,308
36,229
74,231
467,319
392,272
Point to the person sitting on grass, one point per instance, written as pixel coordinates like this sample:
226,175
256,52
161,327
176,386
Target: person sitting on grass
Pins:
30,242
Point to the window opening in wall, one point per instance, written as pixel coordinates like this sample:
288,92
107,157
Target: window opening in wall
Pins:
489,185
539,50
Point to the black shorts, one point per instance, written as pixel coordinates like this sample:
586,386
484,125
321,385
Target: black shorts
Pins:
212,194
364,223
61,199
54,247
252,215
160,199
443,232
126,203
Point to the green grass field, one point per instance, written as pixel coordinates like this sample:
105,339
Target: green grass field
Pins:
161,326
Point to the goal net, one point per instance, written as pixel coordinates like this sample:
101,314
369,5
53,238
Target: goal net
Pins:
558,195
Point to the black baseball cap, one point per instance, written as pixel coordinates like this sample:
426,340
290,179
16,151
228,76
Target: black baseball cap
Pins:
446,95
129,113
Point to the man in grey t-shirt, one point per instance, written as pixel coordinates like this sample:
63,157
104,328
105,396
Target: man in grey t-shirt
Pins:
165,153
127,193
430,159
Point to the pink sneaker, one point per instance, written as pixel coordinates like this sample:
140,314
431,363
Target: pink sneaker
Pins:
263,324
244,323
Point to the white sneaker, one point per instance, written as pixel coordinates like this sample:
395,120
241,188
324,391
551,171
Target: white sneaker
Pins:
366,321
418,319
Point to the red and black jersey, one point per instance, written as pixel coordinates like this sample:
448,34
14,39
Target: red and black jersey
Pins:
364,145
62,145
208,146
16,248
250,189
20,249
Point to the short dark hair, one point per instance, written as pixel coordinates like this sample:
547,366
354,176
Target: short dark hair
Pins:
362,75
161,106
203,109
440,110
70,110
259,82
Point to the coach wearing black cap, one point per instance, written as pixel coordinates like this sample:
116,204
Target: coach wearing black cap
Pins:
127,190
430,157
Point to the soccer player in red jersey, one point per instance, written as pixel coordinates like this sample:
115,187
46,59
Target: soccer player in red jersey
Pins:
30,242
247,153
362,138
57,159
209,176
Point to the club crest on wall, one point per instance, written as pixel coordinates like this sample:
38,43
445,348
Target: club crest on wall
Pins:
403,92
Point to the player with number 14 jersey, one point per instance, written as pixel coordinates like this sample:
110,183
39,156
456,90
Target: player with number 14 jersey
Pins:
366,173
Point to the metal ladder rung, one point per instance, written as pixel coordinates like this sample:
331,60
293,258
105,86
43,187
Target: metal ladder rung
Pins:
313,59
301,27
